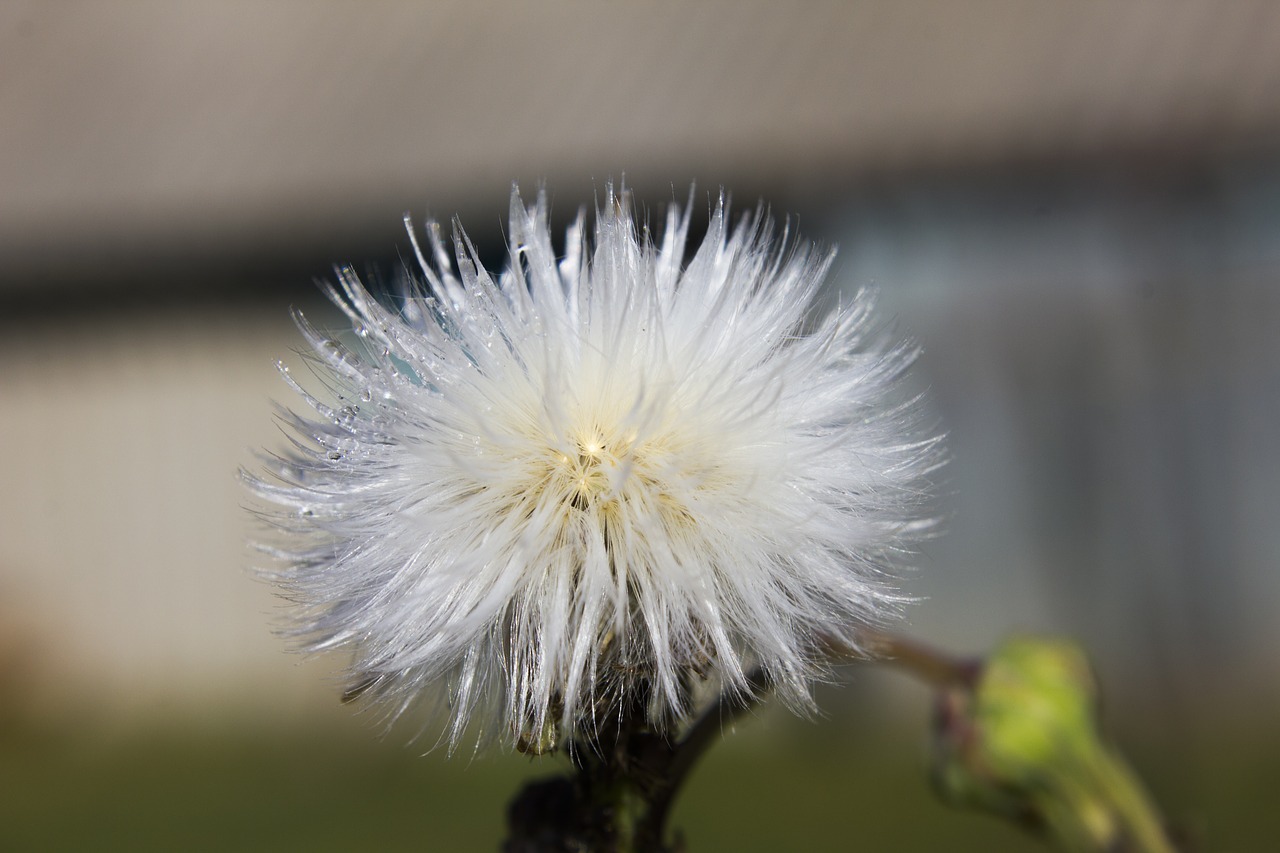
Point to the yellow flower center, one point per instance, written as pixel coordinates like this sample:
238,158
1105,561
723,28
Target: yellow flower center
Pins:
596,472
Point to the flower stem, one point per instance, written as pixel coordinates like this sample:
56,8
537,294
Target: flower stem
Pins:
702,734
624,785
938,669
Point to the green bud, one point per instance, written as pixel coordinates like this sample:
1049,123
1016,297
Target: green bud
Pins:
1022,742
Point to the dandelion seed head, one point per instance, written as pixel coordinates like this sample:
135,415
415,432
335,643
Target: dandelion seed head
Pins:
601,478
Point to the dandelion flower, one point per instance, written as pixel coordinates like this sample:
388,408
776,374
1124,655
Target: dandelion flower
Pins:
599,479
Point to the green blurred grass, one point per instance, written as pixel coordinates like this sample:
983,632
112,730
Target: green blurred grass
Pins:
775,784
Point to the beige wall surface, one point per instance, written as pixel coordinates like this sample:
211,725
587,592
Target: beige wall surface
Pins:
123,562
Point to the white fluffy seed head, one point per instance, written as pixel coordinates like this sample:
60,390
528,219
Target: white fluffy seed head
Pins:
599,480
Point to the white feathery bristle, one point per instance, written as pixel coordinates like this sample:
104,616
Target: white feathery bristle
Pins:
598,481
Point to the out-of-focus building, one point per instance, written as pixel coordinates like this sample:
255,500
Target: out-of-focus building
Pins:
1074,208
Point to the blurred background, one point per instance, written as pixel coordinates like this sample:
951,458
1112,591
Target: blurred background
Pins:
1074,208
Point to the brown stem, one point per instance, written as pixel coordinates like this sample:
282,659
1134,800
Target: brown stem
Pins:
934,667
731,705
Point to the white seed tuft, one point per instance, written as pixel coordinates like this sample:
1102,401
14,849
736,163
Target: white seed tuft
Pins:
598,480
